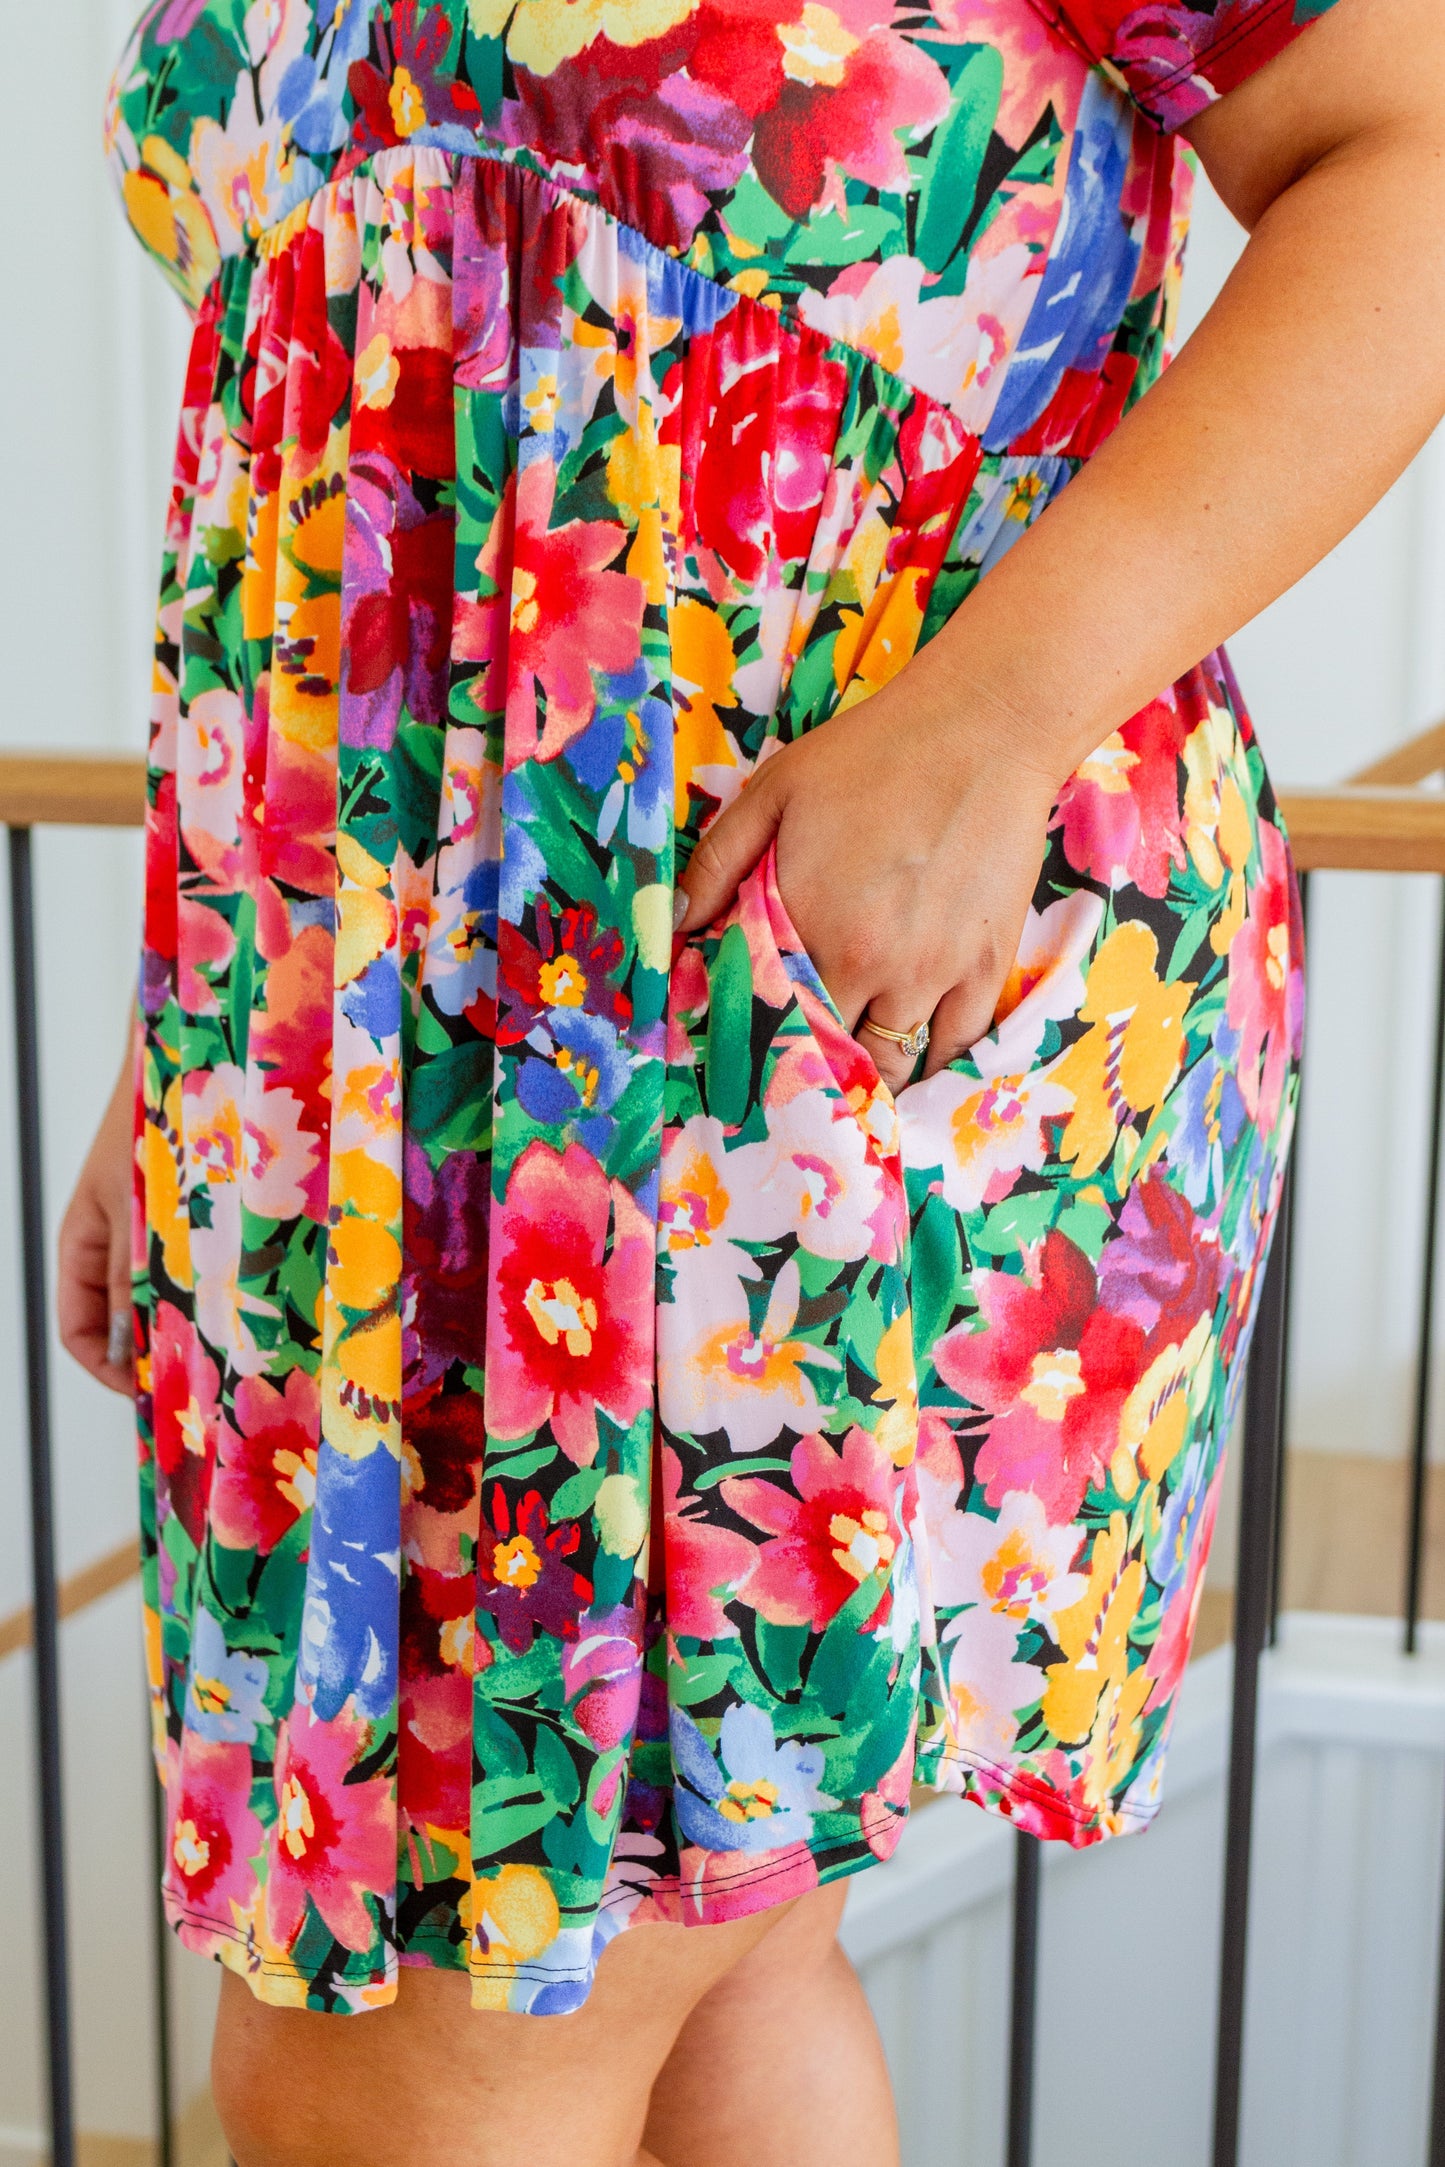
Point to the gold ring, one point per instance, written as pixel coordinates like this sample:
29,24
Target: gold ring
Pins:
912,1041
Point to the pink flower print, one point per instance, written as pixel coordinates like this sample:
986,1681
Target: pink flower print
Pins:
1120,810
988,1688
1019,1565
813,1176
602,1674
570,615
1266,993
834,1531
280,1159
567,1319
718,1371
185,1394
1053,1368
267,1473
212,1836
981,1132
331,1841
704,1564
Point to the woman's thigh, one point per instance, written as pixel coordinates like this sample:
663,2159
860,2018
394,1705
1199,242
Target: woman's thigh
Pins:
430,2079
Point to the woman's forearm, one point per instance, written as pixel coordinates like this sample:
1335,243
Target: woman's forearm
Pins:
1306,390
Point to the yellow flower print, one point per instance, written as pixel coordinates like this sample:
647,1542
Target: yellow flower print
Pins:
366,930
1154,1420
167,1212
694,1206
888,635
540,404
1218,830
363,1263
1128,1058
1113,1747
816,46
897,1430
541,34
1094,1635
408,107
703,663
378,372
514,1921
170,217
361,1385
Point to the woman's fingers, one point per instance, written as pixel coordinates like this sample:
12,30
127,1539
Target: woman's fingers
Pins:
960,1020
119,1327
887,1013
94,1289
728,851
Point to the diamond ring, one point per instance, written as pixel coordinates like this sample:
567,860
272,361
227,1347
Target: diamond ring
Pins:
912,1041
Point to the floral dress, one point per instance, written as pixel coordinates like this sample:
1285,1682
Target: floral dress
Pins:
599,1447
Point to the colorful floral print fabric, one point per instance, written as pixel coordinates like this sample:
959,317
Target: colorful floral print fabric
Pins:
599,1448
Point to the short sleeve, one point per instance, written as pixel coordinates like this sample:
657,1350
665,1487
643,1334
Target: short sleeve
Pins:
1175,57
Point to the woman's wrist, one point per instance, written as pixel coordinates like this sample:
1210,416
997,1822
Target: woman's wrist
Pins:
966,725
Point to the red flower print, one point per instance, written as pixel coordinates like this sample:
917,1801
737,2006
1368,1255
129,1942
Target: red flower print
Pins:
571,966
569,1328
829,85
1053,1368
523,1577
704,1564
826,1540
185,1387
761,464
212,1836
291,1036
438,1664
332,1840
569,614
1120,810
267,1473
407,91
1266,988
434,1749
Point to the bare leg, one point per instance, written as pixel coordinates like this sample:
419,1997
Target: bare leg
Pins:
780,2063
431,2082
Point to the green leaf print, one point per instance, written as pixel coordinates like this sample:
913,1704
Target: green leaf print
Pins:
728,1064
945,203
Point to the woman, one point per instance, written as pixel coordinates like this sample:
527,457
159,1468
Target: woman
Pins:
612,1417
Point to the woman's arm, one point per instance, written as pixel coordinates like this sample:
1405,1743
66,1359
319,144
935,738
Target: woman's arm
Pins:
910,830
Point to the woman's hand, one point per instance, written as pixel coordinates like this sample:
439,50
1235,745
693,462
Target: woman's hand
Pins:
93,1300
908,848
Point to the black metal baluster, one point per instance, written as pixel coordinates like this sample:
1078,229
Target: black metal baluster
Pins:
1023,1999
1286,1235
161,1979
1263,1405
1420,1444
1420,1437
42,1504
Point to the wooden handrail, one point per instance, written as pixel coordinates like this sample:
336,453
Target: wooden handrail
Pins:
100,1577
1359,830
1375,823
1413,762
72,790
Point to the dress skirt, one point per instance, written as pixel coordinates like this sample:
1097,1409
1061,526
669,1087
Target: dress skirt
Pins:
600,1448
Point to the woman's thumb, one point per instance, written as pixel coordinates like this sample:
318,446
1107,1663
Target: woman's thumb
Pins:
118,1288
727,852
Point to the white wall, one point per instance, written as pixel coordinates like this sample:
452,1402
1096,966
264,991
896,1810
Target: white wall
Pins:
89,375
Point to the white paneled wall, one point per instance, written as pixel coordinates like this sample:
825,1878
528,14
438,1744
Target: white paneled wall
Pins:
1347,1886
90,371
